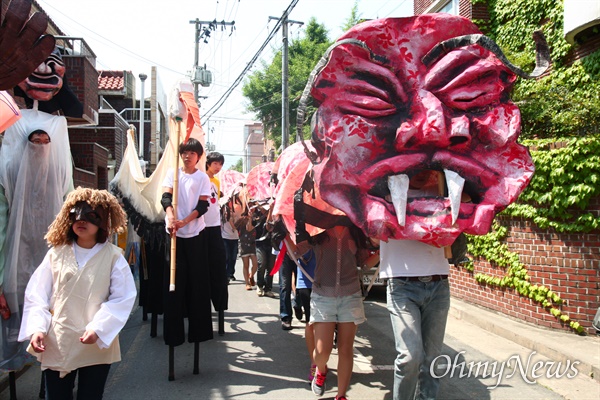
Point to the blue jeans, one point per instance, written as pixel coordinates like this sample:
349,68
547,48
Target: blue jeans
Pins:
231,252
419,311
285,288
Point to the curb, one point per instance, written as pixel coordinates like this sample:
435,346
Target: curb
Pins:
557,345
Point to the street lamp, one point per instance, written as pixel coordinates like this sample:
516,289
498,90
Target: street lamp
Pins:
142,104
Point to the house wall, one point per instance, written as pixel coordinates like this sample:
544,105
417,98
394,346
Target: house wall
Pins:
83,81
566,263
93,158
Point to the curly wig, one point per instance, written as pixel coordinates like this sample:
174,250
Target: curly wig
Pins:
60,231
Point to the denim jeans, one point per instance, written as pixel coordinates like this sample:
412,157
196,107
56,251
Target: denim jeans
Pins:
231,252
419,311
266,259
285,288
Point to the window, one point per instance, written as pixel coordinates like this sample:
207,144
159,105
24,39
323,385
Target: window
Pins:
444,6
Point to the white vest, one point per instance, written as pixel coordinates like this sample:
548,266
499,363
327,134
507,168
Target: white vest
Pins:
77,295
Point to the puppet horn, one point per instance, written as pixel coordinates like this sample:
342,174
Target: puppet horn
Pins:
542,57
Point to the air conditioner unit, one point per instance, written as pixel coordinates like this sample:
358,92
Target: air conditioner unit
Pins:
579,16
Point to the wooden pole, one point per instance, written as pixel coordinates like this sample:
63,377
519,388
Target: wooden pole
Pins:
440,181
173,267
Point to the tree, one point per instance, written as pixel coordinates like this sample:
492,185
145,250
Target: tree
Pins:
353,19
263,87
239,166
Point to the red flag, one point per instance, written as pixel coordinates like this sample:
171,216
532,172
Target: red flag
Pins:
193,113
279,259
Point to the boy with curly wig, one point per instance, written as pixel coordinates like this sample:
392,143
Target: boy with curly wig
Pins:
79,298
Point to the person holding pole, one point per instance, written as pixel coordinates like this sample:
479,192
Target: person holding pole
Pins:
186,192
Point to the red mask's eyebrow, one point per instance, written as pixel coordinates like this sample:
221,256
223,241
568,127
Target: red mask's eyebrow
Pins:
542,59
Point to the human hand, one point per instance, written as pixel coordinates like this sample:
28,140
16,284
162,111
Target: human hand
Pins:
89,337
37,342
22,46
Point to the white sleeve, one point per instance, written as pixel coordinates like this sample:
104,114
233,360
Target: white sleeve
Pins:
168,180
36,308
114,313
205,186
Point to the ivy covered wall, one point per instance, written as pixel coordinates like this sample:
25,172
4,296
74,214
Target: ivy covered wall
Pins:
541,262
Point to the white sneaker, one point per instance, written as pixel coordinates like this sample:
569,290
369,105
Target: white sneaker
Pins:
260,292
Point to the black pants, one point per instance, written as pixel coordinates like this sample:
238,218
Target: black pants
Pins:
90,383
266,260
303,300
191,297
219,292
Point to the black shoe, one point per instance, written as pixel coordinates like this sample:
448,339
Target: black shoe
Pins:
232,278
286,325
298,313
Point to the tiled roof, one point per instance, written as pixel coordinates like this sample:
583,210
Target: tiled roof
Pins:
111,80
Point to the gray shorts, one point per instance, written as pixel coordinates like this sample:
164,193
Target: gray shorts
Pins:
337,309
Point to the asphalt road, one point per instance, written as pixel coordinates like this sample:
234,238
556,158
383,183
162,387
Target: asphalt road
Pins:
257,359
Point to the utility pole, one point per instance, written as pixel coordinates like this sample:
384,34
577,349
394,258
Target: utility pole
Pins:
285,100
200,76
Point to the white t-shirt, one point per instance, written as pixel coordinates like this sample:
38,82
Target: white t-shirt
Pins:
213,215
401,258
229,232
191,187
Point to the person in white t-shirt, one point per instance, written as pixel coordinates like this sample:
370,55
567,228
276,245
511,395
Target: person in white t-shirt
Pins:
214,241
418,299
188,227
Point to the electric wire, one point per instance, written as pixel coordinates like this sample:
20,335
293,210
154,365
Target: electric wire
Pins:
238,80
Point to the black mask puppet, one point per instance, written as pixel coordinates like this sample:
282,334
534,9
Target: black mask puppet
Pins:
82,211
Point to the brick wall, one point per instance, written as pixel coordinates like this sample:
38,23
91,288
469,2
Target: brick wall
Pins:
90,157
421,5
466,9
83,81
568,264
84,178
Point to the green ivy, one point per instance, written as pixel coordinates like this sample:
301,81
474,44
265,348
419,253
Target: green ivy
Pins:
565,180
492,248
560,114
563,103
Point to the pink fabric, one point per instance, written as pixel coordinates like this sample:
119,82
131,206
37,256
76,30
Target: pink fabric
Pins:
292,167
230,179
258,181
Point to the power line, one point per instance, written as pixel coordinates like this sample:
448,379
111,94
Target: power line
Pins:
125,50
220,102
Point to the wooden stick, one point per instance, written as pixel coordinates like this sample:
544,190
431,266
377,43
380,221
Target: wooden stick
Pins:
174,203
440,181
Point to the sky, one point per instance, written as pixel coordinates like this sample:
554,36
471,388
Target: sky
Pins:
135,35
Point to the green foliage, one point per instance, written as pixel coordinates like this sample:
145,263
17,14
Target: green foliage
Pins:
565,180
563,103
263,87
492,248
239,166
562,107
353,19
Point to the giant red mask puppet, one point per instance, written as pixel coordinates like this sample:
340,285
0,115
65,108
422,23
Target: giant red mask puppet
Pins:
392,105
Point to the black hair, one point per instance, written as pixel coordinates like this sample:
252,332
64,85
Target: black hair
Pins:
191,145
37,132
214,156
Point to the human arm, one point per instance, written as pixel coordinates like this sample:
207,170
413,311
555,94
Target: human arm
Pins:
36,307
114,312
